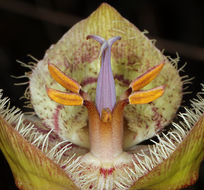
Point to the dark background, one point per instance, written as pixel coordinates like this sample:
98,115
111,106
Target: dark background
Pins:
31,26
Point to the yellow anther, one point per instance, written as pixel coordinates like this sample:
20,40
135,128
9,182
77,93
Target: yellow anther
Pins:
144,97
62,79
68,99
146,78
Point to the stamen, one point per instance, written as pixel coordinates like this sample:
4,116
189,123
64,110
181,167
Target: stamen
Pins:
63,79
105,91
144,97
142,80
68,99
146,78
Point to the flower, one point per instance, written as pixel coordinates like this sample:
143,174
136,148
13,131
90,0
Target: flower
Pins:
99,92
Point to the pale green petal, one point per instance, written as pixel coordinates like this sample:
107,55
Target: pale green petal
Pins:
78,58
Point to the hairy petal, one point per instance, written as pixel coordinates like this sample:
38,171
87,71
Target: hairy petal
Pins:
131,56
181,169
32,170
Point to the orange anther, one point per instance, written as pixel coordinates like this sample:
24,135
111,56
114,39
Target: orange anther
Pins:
68,99
63,79
146,78
144,97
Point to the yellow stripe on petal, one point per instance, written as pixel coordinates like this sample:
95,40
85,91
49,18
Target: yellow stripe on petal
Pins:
63,79
68,99
146,78
144,97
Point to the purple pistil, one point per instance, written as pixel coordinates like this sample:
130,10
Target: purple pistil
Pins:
105,90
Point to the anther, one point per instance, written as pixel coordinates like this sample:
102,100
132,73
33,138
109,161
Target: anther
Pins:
68,99
147,96
63,79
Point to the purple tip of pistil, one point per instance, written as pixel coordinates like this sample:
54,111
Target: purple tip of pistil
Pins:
105,90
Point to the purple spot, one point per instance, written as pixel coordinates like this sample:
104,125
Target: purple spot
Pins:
88,80
56,117
106,172
122,79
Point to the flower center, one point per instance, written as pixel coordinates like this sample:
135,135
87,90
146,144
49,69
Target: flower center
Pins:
105,115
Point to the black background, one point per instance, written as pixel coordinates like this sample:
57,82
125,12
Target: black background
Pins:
26,27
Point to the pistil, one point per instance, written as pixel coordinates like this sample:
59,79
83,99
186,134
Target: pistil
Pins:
105,90
106,131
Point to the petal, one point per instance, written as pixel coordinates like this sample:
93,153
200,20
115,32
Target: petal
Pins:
32,170
181,169
132,56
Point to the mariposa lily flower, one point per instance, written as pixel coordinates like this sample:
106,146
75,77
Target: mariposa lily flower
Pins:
97,94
